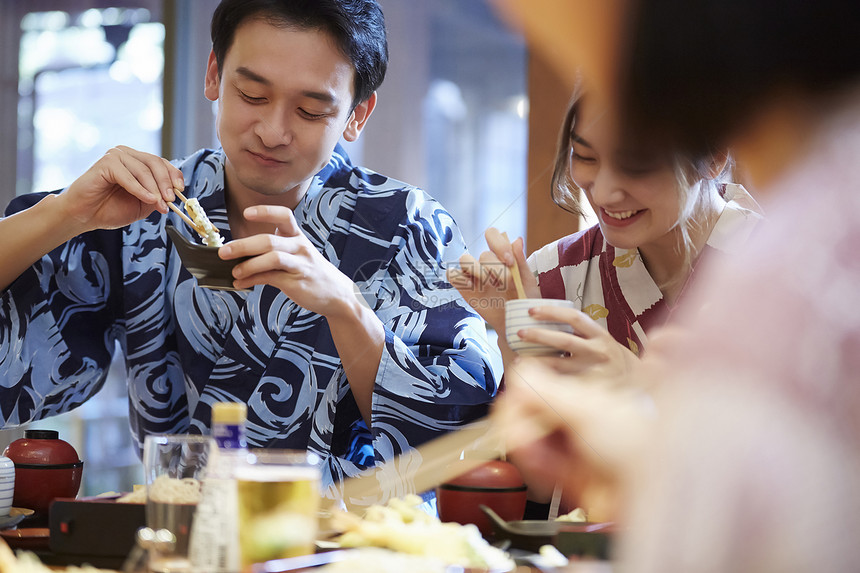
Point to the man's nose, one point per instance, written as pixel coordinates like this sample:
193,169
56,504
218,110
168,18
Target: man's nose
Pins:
274,128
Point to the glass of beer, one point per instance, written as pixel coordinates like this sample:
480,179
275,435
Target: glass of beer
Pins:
279,497
174,466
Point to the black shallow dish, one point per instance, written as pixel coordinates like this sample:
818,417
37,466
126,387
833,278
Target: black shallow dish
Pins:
570,538
16,516
204,263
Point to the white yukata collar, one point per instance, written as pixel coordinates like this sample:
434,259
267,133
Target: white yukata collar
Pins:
739,217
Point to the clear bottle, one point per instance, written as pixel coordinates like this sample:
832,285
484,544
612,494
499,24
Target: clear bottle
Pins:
214,545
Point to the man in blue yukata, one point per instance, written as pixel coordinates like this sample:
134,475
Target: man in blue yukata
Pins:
343,337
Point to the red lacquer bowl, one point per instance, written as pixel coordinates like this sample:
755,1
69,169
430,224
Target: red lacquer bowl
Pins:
46,468
496,484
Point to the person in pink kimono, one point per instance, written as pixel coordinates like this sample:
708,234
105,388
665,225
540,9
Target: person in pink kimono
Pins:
750,458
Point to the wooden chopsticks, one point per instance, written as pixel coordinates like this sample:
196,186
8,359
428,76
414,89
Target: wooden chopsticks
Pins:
425,467
515,272
184,217
435,462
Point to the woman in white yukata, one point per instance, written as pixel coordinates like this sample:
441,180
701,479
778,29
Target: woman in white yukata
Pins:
660,215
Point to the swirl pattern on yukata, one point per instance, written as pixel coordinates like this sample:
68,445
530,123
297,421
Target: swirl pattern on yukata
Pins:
186,347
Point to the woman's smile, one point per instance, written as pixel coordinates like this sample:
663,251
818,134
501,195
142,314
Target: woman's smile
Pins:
620,218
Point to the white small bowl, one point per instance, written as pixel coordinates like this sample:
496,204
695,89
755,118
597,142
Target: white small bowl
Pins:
517,317
7,485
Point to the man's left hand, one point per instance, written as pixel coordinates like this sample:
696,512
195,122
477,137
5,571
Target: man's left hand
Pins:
288,261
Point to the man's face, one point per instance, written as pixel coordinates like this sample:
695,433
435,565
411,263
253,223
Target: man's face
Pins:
284,99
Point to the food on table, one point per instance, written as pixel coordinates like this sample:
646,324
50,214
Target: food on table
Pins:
166,489
577,515
549,557
137,495
377,560
402,526
27,562
204,227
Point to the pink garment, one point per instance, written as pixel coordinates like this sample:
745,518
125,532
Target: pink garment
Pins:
756,464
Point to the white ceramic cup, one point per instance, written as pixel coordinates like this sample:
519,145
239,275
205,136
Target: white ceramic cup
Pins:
7,485
517,317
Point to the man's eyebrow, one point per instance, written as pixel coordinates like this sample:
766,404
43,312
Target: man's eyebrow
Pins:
255,77
319,96
577,139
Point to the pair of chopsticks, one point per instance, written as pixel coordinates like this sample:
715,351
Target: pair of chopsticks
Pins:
435,462
184,217
426,466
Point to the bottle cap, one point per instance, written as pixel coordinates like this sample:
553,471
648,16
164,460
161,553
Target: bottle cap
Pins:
229,413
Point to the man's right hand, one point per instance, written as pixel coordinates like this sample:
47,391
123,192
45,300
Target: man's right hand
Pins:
124,186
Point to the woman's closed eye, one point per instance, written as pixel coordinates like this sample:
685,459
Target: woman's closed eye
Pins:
574,156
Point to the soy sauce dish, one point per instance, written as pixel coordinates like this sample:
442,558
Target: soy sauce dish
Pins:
203,262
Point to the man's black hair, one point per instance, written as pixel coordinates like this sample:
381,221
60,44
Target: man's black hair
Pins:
357,26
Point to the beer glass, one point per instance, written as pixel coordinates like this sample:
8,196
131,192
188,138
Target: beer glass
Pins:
279,498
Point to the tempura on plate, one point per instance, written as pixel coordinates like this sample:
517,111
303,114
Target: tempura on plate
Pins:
402,526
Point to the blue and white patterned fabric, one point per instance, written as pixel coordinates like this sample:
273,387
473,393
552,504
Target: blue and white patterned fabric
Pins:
187,347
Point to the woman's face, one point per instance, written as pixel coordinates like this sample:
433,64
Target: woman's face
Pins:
634,192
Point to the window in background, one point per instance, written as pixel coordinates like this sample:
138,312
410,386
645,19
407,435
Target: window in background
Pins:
476,119
452,115
89,81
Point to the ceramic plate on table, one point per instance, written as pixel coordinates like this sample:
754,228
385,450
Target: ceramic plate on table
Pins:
29,538
361,559
203,262
16,516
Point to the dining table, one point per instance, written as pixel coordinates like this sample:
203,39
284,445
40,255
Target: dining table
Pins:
101,532
42,547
